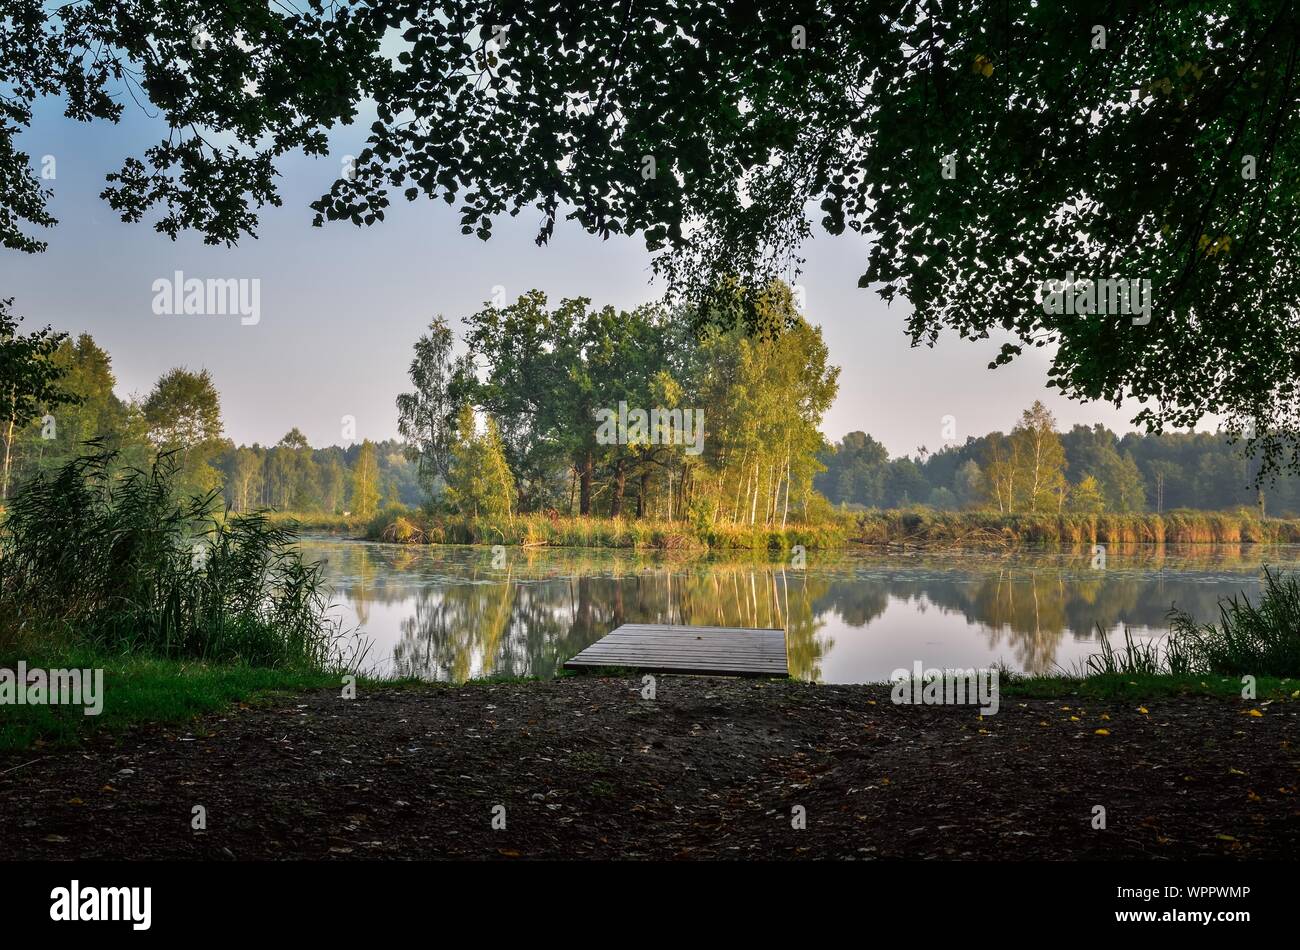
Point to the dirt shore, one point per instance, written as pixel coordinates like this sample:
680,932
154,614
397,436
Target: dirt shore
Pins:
711,768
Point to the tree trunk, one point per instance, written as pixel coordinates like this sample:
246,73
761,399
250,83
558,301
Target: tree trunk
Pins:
584,494
9,441
620,483
786,510
773,489
642,492
735,510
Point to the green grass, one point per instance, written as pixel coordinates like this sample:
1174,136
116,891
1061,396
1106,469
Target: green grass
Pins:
142,689
1138,687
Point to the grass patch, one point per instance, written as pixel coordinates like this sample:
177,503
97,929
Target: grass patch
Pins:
143,689
1142,686
1256,639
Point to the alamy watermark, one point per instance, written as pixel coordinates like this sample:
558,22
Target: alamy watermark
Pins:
215,296
932,687
78,902
658,426
1111,296
37,687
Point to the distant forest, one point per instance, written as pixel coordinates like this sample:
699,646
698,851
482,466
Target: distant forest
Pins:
1034,468
182,414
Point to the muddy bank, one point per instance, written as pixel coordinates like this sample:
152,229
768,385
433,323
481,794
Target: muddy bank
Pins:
711,768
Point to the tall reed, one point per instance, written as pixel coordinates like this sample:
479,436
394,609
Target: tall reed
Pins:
115,560
1260,639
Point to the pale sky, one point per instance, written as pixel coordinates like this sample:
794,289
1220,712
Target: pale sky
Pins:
341,306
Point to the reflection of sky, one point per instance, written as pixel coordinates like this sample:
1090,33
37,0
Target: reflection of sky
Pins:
856,619
904,634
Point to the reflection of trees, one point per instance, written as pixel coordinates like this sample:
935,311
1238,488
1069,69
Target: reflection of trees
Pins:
479,629
470,618
1029,608
531,627
857,602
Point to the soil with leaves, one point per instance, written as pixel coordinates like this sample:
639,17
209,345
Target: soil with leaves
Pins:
585,767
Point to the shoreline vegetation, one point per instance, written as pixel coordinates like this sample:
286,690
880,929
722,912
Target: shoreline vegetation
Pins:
538,530
977,528
913,527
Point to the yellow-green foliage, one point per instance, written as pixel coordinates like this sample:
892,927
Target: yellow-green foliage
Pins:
539,530
927,526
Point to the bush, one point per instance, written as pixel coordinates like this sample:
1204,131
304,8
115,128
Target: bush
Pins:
114,562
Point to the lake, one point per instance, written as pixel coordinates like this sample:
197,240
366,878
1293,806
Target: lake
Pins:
451,613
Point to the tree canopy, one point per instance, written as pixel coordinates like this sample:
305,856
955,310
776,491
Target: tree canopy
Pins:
985,149
575,392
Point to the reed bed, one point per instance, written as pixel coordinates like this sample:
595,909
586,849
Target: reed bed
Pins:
1255,639
536,530
112,560
927,526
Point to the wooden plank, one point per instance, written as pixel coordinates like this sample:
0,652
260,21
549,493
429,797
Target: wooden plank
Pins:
740,651
667,651
676,630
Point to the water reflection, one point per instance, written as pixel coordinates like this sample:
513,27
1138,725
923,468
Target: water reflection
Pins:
446,613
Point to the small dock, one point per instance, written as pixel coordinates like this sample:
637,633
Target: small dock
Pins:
673,648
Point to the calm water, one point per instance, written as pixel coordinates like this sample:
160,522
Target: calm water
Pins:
446,613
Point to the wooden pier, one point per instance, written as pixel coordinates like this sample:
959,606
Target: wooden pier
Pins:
672,648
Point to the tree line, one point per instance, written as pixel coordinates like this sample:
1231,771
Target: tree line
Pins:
510,424
1035,468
